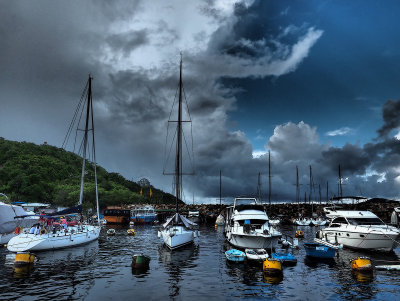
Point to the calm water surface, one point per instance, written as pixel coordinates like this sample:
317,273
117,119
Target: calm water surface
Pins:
101,271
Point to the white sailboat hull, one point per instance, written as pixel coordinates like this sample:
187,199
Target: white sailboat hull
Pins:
50,241
177,236
253,241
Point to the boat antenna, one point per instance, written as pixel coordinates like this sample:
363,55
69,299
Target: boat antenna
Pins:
259,187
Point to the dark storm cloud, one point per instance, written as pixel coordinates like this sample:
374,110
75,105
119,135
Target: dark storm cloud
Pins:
391,117
127,42
353,158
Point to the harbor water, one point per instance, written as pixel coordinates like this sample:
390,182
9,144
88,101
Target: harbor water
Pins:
102,270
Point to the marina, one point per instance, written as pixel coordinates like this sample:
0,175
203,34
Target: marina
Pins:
102,270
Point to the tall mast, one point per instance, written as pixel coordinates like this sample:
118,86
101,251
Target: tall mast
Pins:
340,183
259,187
311,186
220,188
269,177
297,186
327,197
94,160
178,167
85,138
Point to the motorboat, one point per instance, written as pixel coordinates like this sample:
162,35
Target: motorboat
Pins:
247,225
284,256
194,216
116,215
220,221
359,230
235,255
318,250
69,236
143,214
256,254
318,221
111,232
11,217
302,221
274,221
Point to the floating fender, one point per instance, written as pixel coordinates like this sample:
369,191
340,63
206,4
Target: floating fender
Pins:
159,234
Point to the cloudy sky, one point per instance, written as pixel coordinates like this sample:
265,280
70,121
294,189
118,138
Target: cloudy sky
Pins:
314,82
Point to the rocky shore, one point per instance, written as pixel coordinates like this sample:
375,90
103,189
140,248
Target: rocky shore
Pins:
286,212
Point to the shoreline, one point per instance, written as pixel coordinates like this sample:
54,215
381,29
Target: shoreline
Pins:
285,211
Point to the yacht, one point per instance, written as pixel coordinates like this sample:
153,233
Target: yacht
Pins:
57,238
359,230
143,215
247,225
11,217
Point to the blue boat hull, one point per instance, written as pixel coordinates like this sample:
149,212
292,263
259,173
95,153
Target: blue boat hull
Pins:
285,258
319,251
235,255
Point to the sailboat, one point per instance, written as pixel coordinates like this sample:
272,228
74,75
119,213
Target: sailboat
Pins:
178,231
72,235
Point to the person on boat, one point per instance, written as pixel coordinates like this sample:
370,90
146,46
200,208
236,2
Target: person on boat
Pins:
32,230
64,223
37,229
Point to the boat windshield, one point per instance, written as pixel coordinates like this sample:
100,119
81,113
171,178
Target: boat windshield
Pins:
365,221
249,201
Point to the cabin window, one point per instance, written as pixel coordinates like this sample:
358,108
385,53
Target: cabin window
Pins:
365,221
340,220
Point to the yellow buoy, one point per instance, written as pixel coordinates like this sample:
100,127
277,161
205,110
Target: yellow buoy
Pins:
299,234
131,232
272,266
23,259
362,264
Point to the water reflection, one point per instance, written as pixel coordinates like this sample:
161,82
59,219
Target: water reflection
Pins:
176,263
273,279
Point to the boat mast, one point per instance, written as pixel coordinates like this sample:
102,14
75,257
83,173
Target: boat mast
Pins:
220,188
269,178
178,167
259,187
340,183
94,160
297,186
85,138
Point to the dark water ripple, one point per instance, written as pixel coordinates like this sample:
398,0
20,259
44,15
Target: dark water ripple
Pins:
101,271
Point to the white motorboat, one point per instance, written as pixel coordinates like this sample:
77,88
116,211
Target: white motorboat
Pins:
319,221
256,254
220,221
73,235
359,230
274,221
247,225
178,231
194,216
11,217
302,221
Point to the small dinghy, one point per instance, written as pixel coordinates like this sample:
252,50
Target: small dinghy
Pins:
110,232
235,255
317,250
220,221
284,256
256,254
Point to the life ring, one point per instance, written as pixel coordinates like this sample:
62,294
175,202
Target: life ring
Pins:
43,231
16,231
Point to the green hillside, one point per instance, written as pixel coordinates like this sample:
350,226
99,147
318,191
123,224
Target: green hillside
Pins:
44,173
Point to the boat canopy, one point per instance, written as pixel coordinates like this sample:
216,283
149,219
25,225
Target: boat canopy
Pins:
179,219
75,209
